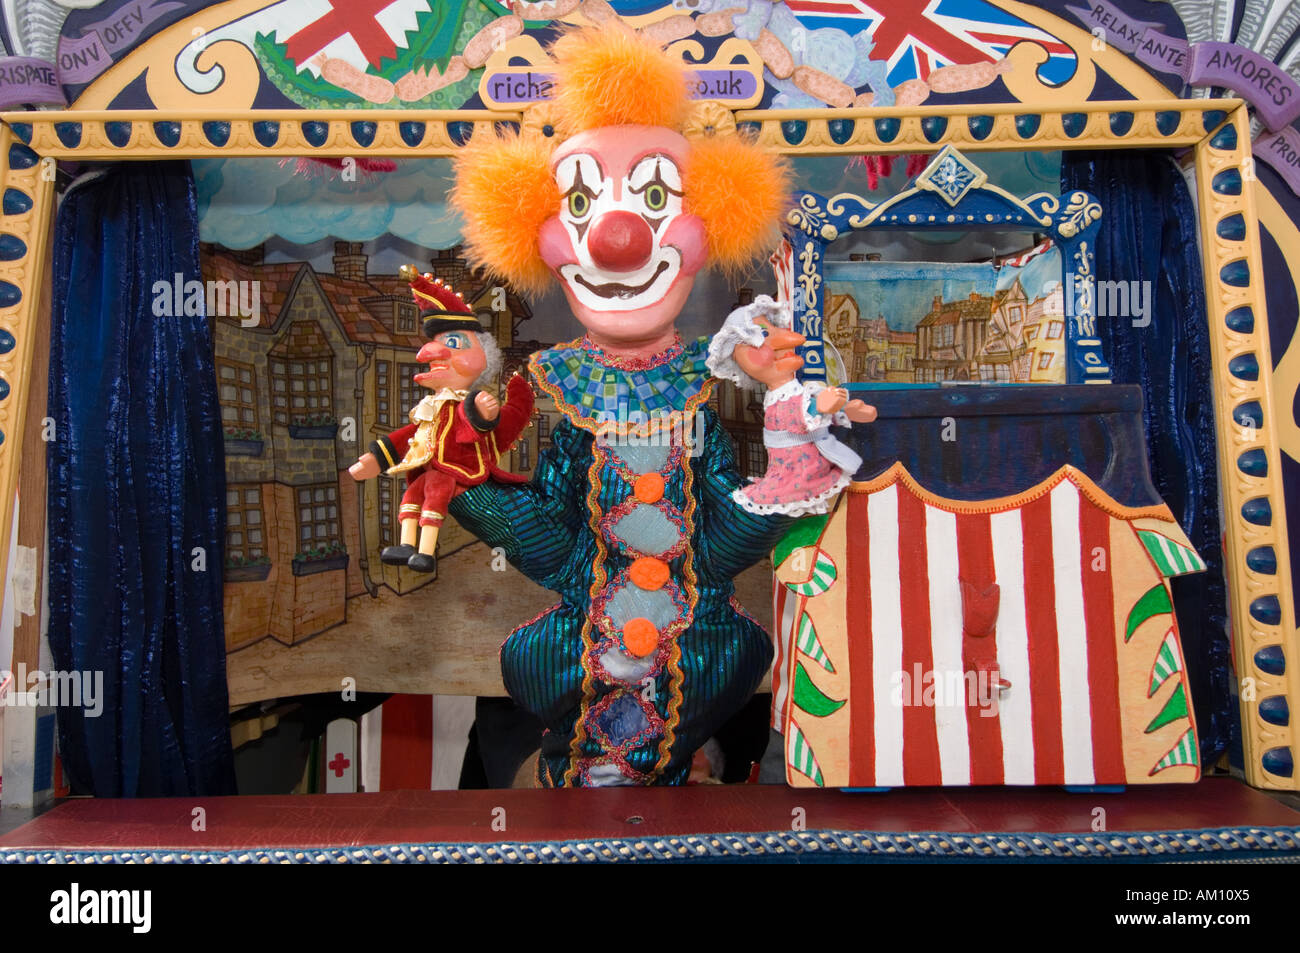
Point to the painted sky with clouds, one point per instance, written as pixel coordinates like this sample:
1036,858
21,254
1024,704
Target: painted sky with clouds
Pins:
243,202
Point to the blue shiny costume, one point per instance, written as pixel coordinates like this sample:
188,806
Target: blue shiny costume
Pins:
613,717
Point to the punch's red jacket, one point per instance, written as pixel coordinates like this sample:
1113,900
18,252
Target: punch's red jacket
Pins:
466,445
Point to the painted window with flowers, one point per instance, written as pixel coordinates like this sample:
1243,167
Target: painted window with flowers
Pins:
237,393
320,538
246,558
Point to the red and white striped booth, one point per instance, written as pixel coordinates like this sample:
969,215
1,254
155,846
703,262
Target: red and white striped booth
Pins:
1018,641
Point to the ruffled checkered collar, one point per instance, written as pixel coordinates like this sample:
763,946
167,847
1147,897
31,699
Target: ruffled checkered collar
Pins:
591,386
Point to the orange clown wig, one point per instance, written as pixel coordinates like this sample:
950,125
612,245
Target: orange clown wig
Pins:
605,77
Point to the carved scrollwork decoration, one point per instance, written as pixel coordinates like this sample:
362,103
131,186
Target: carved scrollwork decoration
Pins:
809,279
854,207
1080,211
808,216
1083,281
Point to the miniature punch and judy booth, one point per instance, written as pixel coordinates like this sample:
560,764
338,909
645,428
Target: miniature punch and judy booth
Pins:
987,603
1042,290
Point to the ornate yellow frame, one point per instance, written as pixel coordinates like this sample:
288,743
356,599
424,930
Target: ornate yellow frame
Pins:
1257,560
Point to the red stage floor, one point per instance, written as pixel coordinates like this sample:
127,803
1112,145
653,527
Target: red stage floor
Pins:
639,815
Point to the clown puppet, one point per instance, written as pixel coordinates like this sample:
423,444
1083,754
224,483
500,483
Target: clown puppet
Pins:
457,431
630,515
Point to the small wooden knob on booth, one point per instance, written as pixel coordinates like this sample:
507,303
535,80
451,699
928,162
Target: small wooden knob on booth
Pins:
648,573
640,637
649,488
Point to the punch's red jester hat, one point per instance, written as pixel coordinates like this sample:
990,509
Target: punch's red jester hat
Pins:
441,308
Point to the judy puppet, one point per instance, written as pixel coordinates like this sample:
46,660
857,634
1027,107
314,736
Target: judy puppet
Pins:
807,465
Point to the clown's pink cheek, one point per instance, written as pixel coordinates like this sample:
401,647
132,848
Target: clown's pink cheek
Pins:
554,246
686,234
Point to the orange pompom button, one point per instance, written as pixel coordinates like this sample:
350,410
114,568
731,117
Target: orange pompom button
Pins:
649,488
640,637
649,573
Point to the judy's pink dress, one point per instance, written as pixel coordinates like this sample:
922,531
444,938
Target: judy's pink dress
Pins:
807,467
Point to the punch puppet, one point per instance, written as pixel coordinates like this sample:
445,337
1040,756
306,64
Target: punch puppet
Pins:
457,431
630,515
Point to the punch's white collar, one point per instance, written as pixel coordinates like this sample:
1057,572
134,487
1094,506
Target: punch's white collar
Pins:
430,404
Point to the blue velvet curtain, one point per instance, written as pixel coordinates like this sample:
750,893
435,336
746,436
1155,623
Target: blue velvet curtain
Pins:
1148,233
136,491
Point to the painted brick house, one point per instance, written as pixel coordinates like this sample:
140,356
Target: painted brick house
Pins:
949,339
871,349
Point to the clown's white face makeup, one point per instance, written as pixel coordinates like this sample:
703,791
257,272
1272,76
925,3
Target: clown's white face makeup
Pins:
623,247
615,227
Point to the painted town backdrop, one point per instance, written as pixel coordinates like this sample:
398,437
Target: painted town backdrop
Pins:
1000,321
327,368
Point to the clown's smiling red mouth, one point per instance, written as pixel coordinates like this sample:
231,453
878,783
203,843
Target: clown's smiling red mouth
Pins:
615,289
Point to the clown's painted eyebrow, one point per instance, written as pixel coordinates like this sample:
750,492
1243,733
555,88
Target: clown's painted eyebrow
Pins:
657,180
574,162
661,169
580,186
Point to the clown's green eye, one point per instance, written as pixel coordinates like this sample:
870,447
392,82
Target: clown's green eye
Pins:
654,192
579,197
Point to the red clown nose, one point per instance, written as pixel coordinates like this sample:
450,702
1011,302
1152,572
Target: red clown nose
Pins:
620,241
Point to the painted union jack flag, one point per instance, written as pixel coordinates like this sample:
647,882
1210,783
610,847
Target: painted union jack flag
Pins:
917,36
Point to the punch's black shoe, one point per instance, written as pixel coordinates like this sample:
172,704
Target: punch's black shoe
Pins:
397,555
422,562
